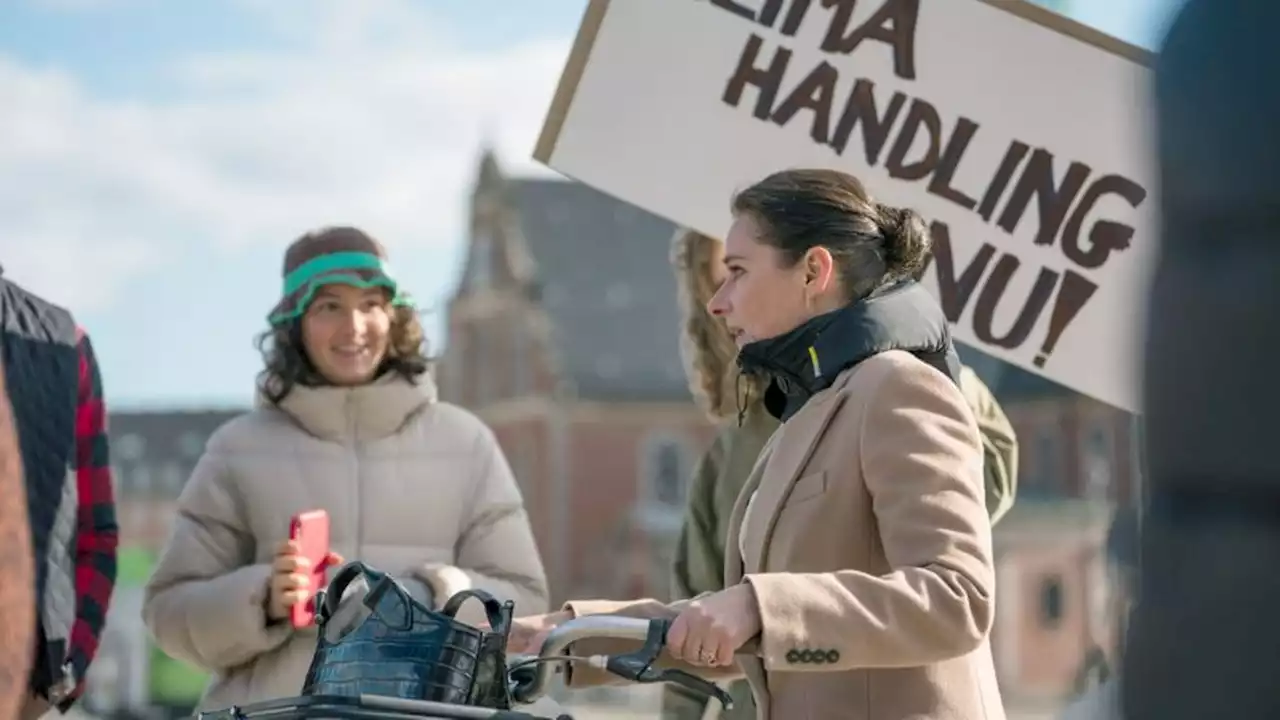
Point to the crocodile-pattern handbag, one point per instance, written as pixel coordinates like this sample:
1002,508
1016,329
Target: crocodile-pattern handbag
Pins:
404,649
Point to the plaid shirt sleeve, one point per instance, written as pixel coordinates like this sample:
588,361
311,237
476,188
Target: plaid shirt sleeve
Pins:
97,533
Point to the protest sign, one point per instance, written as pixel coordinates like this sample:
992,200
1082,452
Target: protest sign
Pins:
1022,137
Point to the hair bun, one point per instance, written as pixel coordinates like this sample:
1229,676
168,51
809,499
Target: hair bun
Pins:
907,242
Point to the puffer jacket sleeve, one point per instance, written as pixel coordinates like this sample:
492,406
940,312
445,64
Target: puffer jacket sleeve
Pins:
698,565
204,604
496,551
999,445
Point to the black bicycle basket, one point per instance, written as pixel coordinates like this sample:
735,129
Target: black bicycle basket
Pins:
404,649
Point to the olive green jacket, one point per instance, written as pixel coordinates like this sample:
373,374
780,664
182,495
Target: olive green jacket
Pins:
999,444
699,558
720,475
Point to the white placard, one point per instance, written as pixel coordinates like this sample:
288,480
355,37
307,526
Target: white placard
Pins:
1023,137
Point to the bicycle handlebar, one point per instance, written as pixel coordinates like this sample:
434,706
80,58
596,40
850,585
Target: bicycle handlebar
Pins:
530,677
532,684
361,707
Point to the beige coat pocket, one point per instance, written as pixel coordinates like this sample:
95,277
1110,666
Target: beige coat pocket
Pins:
808,487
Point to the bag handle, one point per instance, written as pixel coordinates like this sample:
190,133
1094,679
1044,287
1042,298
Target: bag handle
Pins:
327,600
499,614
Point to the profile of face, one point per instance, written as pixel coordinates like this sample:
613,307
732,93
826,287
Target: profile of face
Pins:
763,295
346,331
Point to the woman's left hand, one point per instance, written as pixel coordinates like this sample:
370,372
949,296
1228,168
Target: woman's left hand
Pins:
709,631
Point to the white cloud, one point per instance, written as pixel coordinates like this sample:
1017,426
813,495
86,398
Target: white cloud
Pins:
376,120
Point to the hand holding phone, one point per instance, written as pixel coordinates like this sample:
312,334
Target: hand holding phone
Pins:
299,569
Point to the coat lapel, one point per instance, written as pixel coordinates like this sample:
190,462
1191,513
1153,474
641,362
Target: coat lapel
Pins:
793,445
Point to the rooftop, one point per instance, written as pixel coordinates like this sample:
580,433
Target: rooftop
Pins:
604,277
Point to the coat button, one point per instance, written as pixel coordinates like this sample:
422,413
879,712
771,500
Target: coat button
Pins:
833,656
793,657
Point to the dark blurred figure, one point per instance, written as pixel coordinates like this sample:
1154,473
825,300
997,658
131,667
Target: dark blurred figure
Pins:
1205,637
55,392
17,576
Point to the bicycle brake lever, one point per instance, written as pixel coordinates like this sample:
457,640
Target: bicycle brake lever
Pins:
639,667
696,684
523,676
635,666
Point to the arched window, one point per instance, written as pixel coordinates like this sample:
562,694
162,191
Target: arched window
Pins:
665,471
482,261
1047,462
1051,601
668,483
1098,463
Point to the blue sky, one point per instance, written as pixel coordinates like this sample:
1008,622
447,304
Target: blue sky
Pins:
156,155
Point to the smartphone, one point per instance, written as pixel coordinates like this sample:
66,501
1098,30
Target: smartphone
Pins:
310,530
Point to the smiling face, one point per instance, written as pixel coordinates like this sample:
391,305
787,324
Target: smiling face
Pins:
762,297
346,331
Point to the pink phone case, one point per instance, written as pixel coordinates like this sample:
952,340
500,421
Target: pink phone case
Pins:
311,531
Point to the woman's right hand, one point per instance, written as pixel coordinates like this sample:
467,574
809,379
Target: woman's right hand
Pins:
291,580
528,633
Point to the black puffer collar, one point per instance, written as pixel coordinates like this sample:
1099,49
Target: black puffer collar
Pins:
806,360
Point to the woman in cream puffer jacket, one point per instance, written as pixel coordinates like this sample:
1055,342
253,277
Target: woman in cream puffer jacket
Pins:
348,422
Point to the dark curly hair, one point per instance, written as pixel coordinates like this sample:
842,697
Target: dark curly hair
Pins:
287,365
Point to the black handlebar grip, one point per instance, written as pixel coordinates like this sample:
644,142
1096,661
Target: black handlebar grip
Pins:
520,679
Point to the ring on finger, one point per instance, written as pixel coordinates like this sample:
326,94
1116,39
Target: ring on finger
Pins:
706,656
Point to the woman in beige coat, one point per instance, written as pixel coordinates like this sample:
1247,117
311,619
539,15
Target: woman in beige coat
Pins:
859,564
735,402
348,422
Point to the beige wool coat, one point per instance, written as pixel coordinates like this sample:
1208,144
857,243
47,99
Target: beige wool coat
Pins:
868,546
